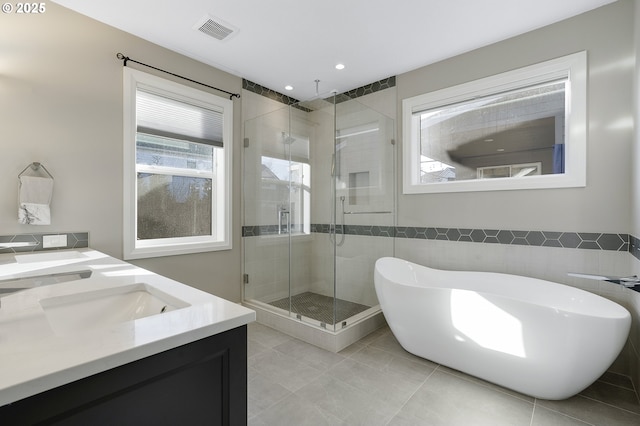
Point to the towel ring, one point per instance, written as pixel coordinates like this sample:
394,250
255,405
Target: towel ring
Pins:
35,166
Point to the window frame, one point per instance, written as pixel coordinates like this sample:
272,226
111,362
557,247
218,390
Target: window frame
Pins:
137,249
573,67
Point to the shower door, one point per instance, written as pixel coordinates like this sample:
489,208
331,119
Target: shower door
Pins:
277,198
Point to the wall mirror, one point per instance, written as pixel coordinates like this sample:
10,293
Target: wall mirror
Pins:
522,129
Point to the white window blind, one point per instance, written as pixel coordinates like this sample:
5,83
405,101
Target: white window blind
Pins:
176,119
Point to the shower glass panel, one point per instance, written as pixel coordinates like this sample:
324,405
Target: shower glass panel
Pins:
364,206
319,209
267,207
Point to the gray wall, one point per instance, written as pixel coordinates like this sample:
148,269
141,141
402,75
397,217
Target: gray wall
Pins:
61,104
609,203
603,206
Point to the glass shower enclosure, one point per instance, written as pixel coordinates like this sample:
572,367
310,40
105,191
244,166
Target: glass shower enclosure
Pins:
319,209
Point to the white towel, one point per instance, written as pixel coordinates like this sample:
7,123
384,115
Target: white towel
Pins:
35,196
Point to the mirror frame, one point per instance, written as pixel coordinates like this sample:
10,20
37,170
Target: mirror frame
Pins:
573,67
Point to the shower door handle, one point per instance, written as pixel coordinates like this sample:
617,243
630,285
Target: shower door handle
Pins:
341,223
283,220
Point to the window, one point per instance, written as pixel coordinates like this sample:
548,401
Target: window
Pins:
291,181
517,130
177,168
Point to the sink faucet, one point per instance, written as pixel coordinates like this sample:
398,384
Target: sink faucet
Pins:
15,285
632,281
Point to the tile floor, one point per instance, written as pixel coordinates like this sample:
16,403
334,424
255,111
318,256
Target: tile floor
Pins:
375,382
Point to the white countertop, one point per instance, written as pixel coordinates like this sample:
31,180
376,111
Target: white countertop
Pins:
34,358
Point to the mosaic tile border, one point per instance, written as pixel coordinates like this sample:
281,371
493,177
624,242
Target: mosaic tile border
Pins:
365,230
376,86
268,93
34,241
260,230
579,240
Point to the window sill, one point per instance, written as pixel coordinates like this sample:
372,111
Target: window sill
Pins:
174,250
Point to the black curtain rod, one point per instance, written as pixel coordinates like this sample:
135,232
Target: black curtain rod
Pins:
126,59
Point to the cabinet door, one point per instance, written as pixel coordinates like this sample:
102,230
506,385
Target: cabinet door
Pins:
204,382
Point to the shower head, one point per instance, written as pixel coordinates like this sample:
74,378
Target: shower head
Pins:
287,140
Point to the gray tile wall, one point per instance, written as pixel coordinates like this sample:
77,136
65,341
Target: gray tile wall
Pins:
74,240
579,240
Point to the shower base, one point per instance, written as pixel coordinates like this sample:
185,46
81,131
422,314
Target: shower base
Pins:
357,327
320,308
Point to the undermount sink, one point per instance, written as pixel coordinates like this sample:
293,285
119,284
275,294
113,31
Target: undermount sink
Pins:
49,257
95,309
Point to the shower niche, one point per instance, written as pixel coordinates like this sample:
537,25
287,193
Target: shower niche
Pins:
319,210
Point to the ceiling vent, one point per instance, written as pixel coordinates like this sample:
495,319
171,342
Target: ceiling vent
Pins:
215,27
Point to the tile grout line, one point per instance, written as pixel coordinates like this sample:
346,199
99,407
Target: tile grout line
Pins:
348,385
566,415
610,405
272,405
488,385
370,346
533,412
413,394
621,387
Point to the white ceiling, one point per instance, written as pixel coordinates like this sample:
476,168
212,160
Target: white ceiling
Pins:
295,42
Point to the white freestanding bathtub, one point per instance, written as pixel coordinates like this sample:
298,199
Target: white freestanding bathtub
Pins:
539,338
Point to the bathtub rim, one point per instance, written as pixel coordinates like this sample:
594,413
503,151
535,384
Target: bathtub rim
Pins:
606,308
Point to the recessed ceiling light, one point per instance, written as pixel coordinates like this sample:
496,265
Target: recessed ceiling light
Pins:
340,66
288,87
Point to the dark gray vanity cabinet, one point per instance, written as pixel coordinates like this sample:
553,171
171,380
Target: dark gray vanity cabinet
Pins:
201,383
